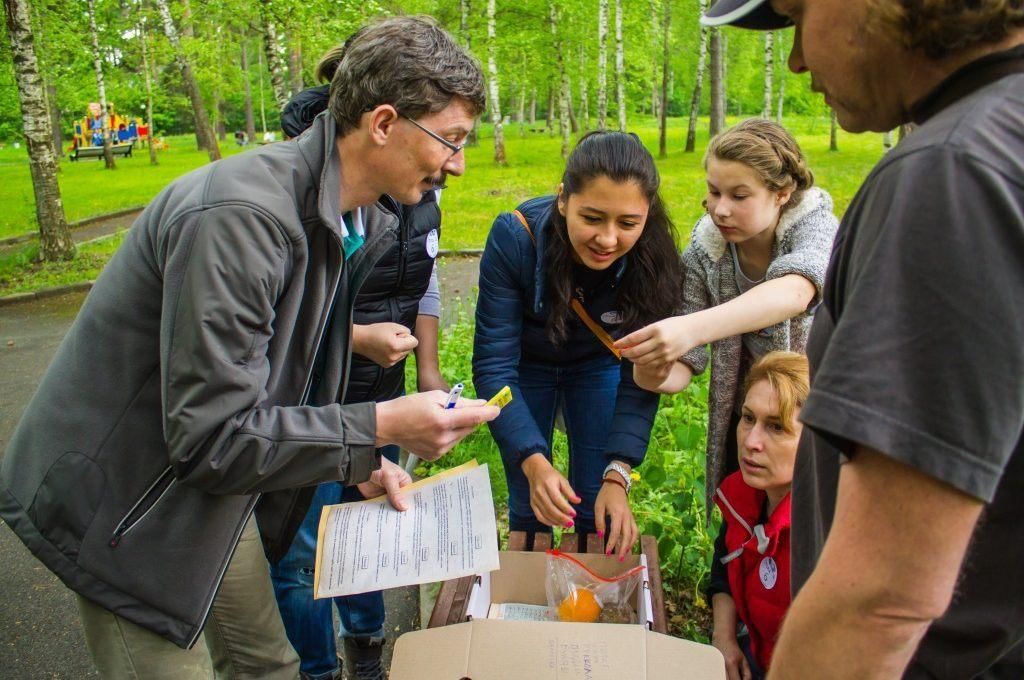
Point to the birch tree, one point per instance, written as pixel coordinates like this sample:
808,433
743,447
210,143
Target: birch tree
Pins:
602,64
464,35
149,85
584,92
769,73
54,236
250,123
202,121
620,70
563,91
717,82
666,18
492,71
833,137
698,84
780,48
272,48
97,61
655,60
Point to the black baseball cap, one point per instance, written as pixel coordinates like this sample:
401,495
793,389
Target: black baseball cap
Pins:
753,14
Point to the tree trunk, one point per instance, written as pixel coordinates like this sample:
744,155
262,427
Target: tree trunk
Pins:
602,64
272,47
698,85
550,122
464,8
567,89
263,98
221,125
780,48
769,74
905,130
521,113
58,138
563,91
533,106
250,123
655,58
717,83
54,236
620,69
149,87
97,62
492,69
295,66
584,92
187,29
666,21
191,86
833,139
887,141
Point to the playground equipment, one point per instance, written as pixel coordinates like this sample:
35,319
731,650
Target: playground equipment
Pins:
124,132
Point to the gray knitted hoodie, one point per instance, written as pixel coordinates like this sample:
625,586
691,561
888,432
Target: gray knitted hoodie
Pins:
803,243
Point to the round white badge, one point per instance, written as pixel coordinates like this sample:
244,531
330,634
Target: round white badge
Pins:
612,318
432,243
769,572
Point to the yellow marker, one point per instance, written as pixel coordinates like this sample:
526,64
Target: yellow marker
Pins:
503,397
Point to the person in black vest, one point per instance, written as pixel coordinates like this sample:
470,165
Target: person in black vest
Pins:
396,312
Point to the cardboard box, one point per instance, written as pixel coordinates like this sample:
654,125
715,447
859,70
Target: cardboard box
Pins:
488,649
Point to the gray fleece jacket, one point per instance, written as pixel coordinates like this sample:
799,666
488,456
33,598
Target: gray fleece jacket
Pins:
178,396
803,244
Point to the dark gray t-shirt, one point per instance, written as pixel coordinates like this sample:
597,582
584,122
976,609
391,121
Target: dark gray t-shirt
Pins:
917,351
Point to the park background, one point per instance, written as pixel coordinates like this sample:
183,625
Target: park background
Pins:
202,71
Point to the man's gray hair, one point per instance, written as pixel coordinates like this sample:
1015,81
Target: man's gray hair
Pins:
408,62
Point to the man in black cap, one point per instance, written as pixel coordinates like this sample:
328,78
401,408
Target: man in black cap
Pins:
911,468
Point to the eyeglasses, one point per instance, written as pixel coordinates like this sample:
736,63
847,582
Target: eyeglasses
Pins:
454,148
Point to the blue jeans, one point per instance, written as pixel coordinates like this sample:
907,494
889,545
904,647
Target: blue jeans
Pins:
586,393
309,623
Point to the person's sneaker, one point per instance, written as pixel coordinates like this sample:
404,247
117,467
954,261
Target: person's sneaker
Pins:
363,658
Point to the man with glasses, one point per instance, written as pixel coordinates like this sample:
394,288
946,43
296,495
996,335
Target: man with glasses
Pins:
908,483
204,379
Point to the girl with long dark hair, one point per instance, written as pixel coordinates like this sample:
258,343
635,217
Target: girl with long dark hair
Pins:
560,278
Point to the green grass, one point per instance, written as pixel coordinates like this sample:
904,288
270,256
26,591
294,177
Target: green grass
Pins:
21,271
88,188
470,203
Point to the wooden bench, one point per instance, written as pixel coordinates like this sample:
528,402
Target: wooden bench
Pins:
450,606
124,150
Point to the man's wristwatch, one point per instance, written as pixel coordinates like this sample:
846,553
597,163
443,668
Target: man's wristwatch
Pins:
621,470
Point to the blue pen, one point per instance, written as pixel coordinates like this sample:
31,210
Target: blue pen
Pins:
454,395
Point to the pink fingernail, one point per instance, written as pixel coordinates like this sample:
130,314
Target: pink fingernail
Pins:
600,534
609,551
568,525
622,559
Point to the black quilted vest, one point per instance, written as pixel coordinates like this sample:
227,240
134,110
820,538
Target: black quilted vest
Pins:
392,293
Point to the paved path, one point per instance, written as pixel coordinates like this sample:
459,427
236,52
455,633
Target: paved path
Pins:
40,636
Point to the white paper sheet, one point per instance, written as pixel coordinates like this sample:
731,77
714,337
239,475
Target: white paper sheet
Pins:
514,611
448,531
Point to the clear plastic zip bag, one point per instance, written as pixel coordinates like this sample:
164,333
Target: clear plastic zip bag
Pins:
579,595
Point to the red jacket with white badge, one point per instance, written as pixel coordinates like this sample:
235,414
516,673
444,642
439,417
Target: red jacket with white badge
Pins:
757,560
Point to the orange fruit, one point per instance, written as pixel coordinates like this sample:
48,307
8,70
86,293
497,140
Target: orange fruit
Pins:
580,606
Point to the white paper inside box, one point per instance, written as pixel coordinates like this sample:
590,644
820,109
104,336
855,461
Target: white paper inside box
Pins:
522,575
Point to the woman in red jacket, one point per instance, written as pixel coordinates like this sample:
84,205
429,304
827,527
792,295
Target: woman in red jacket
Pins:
750,570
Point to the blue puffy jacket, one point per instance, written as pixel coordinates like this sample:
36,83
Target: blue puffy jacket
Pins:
511,317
